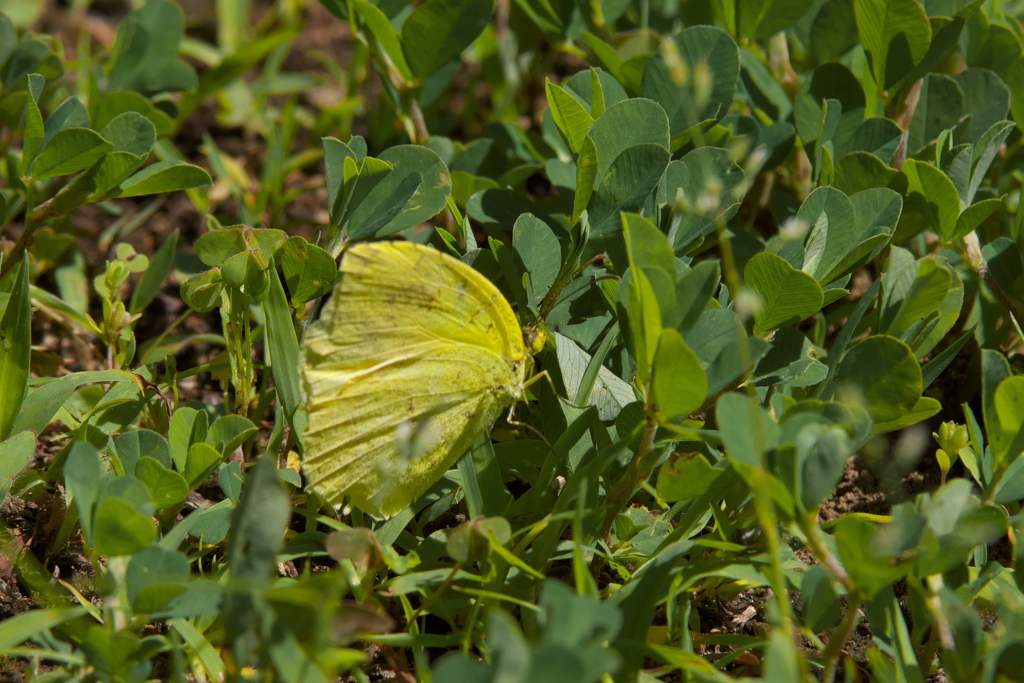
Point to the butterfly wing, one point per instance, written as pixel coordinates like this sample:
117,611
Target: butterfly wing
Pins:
410,336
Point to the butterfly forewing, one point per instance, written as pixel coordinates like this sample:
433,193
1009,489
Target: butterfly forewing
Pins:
395,296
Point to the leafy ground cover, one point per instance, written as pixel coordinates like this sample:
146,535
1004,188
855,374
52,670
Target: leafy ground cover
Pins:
776,249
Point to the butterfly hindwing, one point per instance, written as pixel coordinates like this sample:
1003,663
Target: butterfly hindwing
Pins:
352,440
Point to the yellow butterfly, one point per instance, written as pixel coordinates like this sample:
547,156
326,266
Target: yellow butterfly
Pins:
410,337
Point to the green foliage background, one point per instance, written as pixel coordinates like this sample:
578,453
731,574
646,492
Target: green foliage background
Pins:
768,239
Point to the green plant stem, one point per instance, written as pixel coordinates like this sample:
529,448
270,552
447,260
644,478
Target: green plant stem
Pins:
596,23
448,581
934,584
993,486
412,117
27,234
763,504
36,215
817,545
834,650
629,482
238,342
971,252
551,298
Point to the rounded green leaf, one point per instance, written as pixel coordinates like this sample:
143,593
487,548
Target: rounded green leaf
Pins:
761,19
886,372
202,291
986,97
914,291
230,479
70,150
974,215
934,195
439,30
705,87
834,30
643,319
110,172
787,294
202,460
877,135
217,246
821,452
149,38
820,601
309,270
647,247
633,122
359,546
166,487
228,432
831,81
1009,409
710,183
833,233
155,566
596,88
212,524
539,254
923,409
161,177
571,118
858,171
118,529
130,132
156,597
114,104
243,271
679,382
413,191
790,362
896,35
685,476
940,106
473,539
857,543
15,454
717,338
500,206
876,212
627,184
130,446
747,430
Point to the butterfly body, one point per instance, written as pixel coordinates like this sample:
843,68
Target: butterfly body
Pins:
410,337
